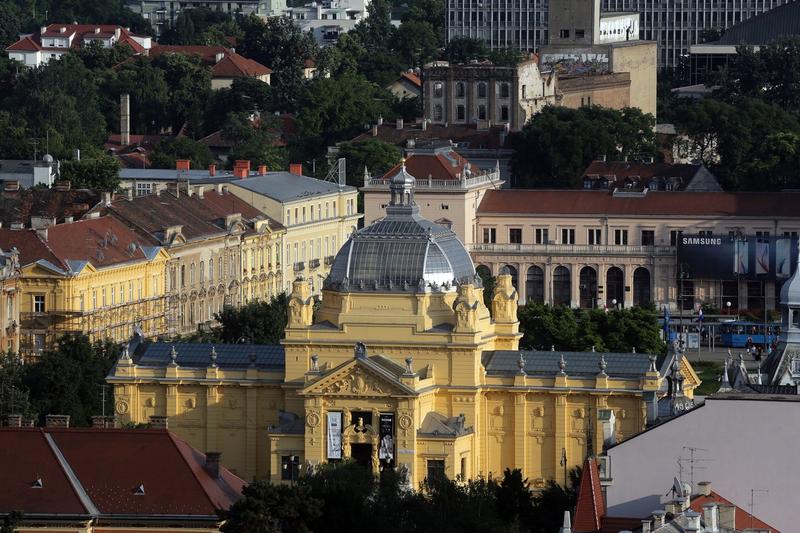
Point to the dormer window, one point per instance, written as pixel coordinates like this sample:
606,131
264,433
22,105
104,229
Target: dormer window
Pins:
139,491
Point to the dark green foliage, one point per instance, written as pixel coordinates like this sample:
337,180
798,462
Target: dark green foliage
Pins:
10,23
189,86
172,149
346,497
67,380
566,329
11,521
489,282
255,142
256,322
464,49
101,172
199,25
377,156
14,394
554,148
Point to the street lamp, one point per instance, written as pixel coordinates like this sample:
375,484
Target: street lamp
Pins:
614,304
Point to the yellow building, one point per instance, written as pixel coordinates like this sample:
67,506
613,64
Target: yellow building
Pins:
318,216
402,366
9,301
91,276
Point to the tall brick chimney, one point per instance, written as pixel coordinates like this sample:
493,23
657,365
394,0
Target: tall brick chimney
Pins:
296,168
125,119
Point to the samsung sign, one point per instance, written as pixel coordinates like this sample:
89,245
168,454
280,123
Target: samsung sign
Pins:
762,258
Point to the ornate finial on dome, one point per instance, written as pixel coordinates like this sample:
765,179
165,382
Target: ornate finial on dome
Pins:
173,356
314,363
402,188
562,364
521,364
552,347
653,364
213,357
602,365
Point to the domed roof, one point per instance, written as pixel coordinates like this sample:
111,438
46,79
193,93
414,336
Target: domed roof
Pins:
402,251
790,292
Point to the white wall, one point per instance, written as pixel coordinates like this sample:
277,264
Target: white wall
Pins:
752,444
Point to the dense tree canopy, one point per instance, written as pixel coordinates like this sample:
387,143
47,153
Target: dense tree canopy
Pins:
256,322
554,148
100,172
373,154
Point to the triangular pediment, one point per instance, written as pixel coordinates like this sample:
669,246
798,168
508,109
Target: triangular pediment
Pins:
359,377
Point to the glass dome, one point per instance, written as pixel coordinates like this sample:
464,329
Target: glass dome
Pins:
402,252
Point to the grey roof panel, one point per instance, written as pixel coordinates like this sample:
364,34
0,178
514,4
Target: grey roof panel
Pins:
286,187
501,362
765,28
198,355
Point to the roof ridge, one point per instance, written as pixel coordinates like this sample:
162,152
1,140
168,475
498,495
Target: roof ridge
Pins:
173,438
72,477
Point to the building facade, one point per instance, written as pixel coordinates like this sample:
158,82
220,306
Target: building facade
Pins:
162,14
483,93
318,217
326,20
608,248
225,64
223,251
9,300
402,366
91,276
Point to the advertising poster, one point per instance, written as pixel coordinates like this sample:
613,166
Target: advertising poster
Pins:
783,258
762,257
741,263
386,450
334,435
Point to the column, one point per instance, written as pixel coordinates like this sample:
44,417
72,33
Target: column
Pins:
575,288
547,269
522,278
627,275
560,437
520,432
212,425
251,433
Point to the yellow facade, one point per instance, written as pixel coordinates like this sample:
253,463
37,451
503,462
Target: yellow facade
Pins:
9,301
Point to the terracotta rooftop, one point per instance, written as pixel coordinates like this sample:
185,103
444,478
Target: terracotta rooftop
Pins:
199,217
230,66
472,137
743,518
439,165
20,206
413,78
102,242
108,466
574,202
591,507
33,42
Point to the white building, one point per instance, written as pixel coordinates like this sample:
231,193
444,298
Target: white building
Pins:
162,14
327,19
55,40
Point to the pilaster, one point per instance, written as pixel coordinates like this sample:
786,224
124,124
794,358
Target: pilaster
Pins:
520,431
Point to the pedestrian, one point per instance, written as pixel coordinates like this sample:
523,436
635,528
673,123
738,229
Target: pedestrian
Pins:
759,353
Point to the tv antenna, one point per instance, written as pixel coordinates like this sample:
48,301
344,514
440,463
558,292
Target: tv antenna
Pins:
338,172
753,503
692,461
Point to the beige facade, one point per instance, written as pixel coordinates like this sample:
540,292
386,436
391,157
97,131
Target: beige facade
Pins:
318,217
484,93
9,301
606,90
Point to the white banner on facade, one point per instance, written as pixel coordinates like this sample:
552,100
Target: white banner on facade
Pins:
334,435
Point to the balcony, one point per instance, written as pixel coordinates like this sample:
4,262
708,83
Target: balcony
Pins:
571,249
314,263
299,266
491,177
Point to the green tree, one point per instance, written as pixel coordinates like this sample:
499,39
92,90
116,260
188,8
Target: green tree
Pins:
509,57
10,23
555,147
416,42
345,490
14,395
552,501
68,379
11,522
544,327
101,172
170,150
256,322
268,508
189,86
463,49
373,154
430,11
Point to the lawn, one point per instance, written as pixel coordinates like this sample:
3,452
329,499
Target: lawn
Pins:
709,373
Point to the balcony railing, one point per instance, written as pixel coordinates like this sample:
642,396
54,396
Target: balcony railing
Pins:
572,249
314,263
430,183
299,266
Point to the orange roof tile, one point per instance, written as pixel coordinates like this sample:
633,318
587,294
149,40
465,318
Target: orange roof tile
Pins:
591,507
743,518
436,165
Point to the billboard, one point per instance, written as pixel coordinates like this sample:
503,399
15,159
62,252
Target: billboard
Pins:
729,258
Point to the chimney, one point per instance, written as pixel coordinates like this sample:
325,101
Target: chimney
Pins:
63,185
129,193
183,164
201,192
296,168
240,172
43,29
711,518
704,488
693,521
42,233
68,220
212,169
646,526
125,119
189,190
107,197
220,189
104,422
14,421
243,163
212,463
375,130
219,56
56,421
727,516
658,518
262,170
97,30
159,422
399,123
117,33
380,120
11,185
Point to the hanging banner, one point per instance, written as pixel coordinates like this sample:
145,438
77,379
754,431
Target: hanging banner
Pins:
334,435
386,450
762,257
783,258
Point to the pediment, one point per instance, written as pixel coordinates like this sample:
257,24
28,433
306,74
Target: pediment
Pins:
358,377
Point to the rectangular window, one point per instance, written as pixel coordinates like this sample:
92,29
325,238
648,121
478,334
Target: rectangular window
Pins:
762,235
541,235
515,235
648,237
564,34
791,234
595,235
705,233
460,113
489,235
436,469
620,237
504,113
567,236
290,467
481,112
113,295
38,303
673,237
143,189
580,34
94,299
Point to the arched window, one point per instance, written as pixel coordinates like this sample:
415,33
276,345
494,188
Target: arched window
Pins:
615,287
562,286
438,89
211,269
534,285
641,287
588,287
202,272
460,89
505,90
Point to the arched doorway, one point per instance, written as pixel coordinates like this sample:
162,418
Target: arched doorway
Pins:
512,271
562,286
534,285
588,287
615,287
641,287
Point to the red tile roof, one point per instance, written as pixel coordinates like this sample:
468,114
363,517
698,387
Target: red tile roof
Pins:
624,169
591,507
26,44
573,202
20,206
102,241
232,65
109,465
33,42
743,518
441,165
413,78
